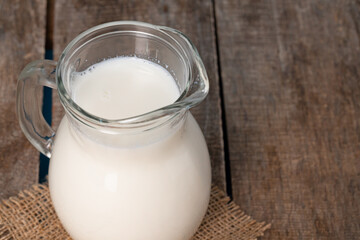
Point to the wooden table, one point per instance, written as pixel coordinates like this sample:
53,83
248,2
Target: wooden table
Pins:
282,120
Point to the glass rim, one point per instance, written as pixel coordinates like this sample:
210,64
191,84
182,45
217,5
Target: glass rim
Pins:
145,119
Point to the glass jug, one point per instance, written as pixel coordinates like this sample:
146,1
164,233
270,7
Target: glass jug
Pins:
143,177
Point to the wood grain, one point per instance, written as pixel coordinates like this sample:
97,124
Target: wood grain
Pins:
192,17
290,71
22,36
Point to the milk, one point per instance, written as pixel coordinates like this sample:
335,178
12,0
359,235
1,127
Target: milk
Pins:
124,87
153,191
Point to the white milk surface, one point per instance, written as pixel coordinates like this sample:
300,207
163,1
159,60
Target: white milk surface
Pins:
157,191
124,87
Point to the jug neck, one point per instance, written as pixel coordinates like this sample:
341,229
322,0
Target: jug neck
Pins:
133,135
160,44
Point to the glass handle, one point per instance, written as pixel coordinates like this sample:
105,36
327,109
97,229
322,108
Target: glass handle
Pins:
31,81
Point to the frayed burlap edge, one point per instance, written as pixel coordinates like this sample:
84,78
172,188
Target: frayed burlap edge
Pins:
31,216
225,220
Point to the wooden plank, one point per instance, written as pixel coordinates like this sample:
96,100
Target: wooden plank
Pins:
22,36
192,17
290,71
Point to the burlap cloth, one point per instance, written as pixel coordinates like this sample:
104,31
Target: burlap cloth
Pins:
31,215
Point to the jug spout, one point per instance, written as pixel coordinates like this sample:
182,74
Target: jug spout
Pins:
197,86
